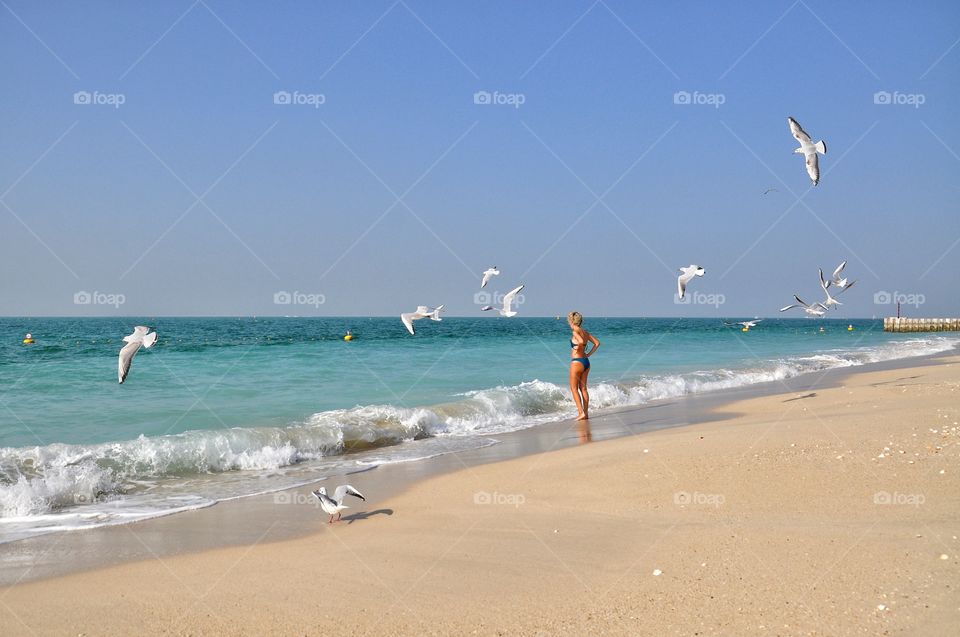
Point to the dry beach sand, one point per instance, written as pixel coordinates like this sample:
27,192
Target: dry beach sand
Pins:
829,512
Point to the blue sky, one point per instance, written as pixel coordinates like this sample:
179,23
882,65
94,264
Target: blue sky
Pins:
199,195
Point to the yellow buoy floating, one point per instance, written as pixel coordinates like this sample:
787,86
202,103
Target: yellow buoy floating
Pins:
746,329
348,336
849,328
28,339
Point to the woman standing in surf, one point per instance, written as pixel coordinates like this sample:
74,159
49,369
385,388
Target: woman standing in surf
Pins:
580,363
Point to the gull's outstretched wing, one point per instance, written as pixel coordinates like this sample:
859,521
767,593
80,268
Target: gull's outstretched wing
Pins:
848,285
799,134
509,298
836,273
407,319
488,274
126,359
344,490
682,281
813,167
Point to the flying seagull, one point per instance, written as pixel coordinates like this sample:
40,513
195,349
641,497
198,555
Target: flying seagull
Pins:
770,190
508,300
488,274
688,273
139,337
422,312
843,283
808,149
335,504
824,285
746,324
817,309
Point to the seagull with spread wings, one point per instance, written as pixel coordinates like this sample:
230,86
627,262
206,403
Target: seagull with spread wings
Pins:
808,149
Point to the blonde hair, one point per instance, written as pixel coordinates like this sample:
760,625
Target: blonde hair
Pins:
576,318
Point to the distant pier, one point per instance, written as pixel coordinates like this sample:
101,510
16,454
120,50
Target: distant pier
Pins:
899,324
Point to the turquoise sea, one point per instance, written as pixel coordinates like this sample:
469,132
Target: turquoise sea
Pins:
223,408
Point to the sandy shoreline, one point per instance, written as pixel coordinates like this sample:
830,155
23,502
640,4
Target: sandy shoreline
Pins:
804,514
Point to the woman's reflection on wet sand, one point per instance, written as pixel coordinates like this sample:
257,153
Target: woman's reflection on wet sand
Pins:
583,428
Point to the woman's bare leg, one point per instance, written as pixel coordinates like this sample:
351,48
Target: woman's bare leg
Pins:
584,394
576,371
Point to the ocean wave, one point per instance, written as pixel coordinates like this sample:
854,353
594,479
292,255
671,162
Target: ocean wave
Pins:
36,481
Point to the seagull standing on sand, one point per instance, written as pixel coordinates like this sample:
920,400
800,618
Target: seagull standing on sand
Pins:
140,337
508,300
808,149
422,312
488,274
817,309
335,504
686,274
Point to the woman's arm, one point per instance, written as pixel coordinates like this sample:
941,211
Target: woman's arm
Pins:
593,339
